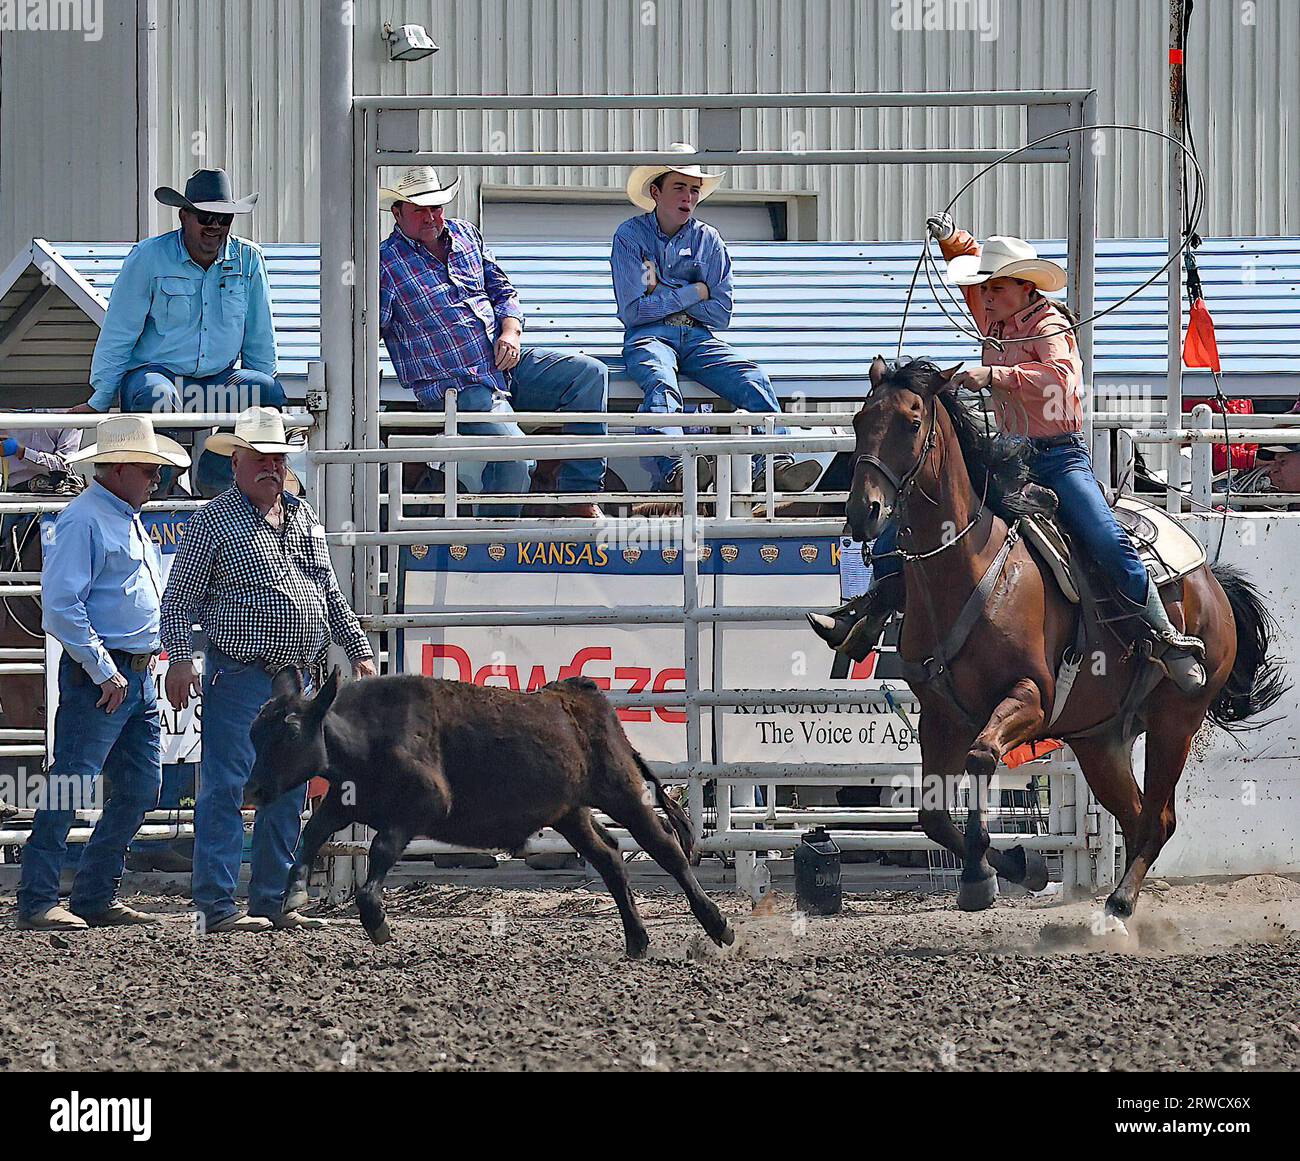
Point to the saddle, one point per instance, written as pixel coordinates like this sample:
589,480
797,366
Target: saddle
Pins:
1168,550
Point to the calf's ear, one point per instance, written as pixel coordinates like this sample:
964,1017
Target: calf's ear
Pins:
321,703
288,680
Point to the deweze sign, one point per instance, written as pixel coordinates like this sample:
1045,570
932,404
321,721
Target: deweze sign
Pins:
640,657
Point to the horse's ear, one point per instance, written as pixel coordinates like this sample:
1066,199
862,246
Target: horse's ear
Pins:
878,369
947,375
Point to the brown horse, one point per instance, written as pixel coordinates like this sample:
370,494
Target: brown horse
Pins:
919,459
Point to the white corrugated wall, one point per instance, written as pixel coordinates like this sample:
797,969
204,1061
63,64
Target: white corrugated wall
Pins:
239,85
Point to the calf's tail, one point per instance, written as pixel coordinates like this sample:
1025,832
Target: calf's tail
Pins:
677,817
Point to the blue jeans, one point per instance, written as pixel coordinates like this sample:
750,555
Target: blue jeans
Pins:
542,381
233,693
153,388
126,747
1086,516
1083,513
655,354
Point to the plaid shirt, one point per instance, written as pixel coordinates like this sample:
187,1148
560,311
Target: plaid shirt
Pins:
440,322
262,594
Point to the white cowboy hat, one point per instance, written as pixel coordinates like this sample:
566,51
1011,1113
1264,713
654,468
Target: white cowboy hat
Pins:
638,184
1004,257
259,429
419,186
131,439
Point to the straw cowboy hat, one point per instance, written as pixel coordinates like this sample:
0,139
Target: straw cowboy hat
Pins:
131,439
638,185
1004,257
207,192
419,186
259,429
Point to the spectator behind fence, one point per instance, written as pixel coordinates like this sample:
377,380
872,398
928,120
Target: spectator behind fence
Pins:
36,458
186,307
253,569
451,318
672,280
100,591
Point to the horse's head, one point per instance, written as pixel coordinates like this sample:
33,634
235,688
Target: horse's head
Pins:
894,432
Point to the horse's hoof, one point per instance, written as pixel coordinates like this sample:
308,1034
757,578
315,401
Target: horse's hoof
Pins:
638,951
1119,905
977,894
726,937
381,934
1031,868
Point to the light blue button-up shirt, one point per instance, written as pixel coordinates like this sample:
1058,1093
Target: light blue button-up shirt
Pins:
696,253
166,309
101,582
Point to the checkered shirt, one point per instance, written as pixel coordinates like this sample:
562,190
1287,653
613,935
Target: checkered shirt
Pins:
262,594
440,322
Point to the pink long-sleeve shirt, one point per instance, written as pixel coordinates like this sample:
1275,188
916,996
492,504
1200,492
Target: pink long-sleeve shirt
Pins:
1037,386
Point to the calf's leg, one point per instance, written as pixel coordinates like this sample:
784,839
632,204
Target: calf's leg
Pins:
385,849
659,842
600,849
328,817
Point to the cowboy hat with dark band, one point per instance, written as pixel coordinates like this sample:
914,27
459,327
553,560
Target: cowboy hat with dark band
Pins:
207,192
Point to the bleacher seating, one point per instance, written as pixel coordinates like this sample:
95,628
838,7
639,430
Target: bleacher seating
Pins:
815,313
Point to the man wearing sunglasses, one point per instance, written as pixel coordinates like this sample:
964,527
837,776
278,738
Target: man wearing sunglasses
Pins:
189,318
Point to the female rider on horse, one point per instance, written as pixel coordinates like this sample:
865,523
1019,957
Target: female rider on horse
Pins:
1037,391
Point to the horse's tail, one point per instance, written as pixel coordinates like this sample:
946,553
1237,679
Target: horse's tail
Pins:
1256,680
677,817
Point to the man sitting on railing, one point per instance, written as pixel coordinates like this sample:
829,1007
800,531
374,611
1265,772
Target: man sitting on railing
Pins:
451,319
186,306
672,280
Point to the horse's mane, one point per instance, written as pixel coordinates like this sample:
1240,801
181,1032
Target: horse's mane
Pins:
999,461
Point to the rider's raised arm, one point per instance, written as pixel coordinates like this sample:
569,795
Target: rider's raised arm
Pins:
963,243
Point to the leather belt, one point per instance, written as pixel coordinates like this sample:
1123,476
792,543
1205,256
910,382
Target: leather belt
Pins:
1062,440
679,318
136,662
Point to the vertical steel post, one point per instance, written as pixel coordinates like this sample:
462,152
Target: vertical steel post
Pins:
146,114
1174,213
691,650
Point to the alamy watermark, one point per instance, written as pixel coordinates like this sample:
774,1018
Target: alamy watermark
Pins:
979,16
83,16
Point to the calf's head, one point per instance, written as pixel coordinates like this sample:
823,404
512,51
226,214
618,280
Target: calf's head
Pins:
289,736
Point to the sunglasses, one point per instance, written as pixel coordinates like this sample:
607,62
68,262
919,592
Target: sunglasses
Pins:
205,219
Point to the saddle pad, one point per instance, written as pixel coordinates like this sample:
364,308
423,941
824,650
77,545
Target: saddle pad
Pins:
1168,550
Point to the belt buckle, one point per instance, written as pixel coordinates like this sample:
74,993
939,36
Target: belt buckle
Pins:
141,662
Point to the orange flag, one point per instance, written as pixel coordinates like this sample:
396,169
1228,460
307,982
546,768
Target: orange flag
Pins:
1199,347
1029,752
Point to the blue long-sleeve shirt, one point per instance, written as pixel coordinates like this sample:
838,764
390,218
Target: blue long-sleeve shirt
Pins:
101,582
696,253
166,309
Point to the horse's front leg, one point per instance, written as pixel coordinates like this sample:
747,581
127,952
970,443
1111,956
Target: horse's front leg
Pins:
1017,718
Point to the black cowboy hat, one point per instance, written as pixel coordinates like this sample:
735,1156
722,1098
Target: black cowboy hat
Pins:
208,191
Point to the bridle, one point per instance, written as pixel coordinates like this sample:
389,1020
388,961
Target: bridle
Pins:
903,485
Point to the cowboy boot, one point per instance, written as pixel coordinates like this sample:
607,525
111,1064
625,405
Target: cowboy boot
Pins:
854,629
1181,655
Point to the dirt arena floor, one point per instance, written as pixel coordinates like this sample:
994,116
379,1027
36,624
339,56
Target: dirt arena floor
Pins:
1208,978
